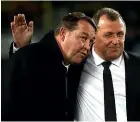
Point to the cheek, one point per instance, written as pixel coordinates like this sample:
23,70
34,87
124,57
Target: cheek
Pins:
74,48
122,43
77,45
101,43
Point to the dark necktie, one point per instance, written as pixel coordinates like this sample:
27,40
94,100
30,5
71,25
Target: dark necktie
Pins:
109,99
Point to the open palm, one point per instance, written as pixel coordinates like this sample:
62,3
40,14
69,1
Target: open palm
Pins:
22,33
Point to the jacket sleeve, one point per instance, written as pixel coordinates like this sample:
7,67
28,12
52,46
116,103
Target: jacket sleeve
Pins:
11,50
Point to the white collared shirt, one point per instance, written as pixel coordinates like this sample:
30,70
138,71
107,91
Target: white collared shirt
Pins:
90,96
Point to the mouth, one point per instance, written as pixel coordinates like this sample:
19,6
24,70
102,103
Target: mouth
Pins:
83,54
114,48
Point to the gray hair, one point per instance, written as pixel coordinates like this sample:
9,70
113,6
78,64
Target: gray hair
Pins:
110,13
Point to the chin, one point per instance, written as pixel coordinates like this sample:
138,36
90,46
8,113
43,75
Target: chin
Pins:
78,61
75,62
113,57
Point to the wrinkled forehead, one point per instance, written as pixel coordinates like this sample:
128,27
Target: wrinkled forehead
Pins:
85,27
108,25
90,34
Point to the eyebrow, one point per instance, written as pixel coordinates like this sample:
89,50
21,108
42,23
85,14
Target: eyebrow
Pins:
121,32
85,33
109,33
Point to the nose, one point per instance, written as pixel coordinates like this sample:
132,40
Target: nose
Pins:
115,40
87,45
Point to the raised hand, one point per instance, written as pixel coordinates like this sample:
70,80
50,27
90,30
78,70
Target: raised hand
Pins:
22,33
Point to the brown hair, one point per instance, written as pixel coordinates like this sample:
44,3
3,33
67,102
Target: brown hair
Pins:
70,21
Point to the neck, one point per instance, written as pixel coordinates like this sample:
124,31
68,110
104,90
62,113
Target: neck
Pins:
98,53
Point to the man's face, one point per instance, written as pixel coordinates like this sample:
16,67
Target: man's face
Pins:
77,43
109,39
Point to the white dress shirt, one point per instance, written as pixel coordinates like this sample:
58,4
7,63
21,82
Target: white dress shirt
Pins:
90,96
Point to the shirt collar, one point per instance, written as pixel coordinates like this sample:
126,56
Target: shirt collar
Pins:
117,62
98,60
66,66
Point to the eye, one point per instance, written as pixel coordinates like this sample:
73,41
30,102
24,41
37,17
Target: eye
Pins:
83,38
109,34
91,42
120,34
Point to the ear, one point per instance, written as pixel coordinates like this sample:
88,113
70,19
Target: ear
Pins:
63,33
95,37
94,40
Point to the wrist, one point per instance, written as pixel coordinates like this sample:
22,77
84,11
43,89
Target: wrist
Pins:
16,45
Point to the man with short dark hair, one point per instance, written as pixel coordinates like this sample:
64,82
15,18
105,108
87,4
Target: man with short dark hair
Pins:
38,88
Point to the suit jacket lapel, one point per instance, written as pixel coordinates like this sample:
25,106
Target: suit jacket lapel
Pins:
126,60
129,77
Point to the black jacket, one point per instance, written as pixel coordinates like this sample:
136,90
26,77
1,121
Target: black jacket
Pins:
132,81
35,84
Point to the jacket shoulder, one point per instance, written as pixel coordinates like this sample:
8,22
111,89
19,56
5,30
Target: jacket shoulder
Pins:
134,56
133,59
30,51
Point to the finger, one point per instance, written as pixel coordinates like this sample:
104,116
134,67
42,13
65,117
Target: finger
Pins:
16,20
13,26
19,19
31,26
23,20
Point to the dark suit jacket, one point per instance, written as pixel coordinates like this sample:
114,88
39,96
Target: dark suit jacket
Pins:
132,76
11,50
36,87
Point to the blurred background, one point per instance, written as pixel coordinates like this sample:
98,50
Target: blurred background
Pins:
47,14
